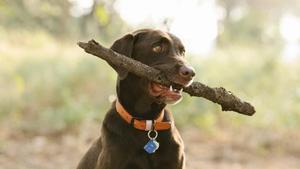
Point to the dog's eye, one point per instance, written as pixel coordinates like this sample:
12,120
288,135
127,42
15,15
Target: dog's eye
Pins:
182,53
181,50
157,49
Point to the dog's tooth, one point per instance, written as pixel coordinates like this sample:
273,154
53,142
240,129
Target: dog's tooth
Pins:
171,88
181,90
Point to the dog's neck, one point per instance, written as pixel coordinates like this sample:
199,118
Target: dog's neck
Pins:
135,100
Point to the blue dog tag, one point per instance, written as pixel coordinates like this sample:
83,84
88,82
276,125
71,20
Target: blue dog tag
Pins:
151,146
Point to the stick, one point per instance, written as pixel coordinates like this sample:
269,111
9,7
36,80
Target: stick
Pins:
219,95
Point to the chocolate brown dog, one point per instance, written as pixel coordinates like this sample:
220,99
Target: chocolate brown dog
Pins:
138,132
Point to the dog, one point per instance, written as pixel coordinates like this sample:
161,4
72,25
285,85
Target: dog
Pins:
138,132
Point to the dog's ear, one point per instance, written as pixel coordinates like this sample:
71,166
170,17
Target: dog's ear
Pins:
123,46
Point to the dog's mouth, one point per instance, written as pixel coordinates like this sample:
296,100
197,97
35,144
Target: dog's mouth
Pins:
167,94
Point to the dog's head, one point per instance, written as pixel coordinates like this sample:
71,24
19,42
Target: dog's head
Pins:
162,51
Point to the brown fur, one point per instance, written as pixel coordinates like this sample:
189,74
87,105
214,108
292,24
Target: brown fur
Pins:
120,146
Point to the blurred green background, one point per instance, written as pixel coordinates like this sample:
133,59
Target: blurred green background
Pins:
49,87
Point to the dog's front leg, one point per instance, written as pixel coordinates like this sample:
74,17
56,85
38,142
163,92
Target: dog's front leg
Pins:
173,155
172,161
113,157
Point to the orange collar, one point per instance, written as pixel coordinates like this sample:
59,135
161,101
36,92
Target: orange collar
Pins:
145,125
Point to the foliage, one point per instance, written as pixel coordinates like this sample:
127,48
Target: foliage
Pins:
55,17
48,84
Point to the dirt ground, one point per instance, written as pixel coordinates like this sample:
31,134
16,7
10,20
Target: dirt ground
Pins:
228,149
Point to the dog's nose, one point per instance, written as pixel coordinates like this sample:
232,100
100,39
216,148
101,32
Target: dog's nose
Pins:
187,71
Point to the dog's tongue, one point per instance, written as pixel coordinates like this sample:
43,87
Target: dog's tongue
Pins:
158,89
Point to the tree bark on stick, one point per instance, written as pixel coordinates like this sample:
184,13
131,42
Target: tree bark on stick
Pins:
219,95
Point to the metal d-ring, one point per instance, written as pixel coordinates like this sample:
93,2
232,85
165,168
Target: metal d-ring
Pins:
155,134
